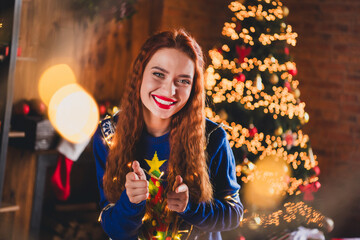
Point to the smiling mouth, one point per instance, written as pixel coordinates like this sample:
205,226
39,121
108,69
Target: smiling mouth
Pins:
163,102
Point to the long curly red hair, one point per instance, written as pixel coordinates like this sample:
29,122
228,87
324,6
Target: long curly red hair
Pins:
187,135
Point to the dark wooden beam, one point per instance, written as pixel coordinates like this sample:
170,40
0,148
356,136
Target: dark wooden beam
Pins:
9,83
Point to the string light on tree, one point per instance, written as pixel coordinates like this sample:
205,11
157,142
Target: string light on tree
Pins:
253,86
290,212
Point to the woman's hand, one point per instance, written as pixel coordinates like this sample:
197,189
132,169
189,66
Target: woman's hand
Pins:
137,187
179,198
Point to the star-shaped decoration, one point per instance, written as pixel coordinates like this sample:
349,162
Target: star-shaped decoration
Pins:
155,165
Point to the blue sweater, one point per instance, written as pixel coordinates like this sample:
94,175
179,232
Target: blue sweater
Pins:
123,220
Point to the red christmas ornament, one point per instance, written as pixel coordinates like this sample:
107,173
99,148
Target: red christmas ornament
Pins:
252,130
220,50
102,109
293,71
289,139
309,189
240,77
316,169
26,109
288,86
307,192
22,108
242,52
286,50
37,107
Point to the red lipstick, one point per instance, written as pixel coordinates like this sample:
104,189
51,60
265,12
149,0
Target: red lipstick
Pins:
162,105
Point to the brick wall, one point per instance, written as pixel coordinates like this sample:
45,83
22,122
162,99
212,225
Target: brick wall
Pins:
328,60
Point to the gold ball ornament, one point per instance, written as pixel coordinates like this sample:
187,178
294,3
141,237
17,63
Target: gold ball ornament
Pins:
274,79
282,27
259,18
297,93
223,115
305,119
279,131
247,167
285,11
269,185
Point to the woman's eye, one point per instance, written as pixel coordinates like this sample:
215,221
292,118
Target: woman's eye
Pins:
158,74
184,81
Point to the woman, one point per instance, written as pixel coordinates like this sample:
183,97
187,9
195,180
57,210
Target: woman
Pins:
164,171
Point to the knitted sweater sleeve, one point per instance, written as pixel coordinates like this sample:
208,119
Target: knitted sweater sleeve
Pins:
123,219
226,210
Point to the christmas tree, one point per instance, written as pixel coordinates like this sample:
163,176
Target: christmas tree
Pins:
253,91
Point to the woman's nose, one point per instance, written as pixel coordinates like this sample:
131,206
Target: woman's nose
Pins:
170,88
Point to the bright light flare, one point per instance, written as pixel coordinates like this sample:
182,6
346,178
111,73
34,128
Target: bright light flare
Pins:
270,182
73,113
53,79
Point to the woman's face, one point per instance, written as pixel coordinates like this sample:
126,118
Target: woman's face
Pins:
167,83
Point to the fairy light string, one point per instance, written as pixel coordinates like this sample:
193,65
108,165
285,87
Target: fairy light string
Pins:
263,85
266,145
290,212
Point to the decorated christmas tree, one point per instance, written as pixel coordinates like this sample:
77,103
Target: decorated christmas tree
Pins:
252,88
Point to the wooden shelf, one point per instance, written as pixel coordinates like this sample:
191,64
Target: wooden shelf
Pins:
14,134
6,207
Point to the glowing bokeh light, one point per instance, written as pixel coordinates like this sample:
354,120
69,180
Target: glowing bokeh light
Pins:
73,113
270,183
53,79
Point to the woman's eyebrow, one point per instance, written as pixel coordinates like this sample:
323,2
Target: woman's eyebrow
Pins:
160,68
185,76
165,71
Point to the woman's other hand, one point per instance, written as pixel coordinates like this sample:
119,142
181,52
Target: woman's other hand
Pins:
137,187
179,197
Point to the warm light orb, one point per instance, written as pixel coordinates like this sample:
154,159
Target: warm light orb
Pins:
270,182
53,79
73,113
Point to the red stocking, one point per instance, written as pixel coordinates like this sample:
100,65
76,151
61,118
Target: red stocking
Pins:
60,180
